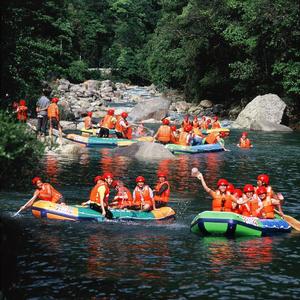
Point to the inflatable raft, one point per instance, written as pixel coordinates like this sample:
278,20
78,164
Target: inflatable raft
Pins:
232,224
49,210
95,131
94,141
194,149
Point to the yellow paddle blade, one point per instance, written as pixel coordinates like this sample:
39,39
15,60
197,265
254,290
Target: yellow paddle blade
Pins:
145,139
293,222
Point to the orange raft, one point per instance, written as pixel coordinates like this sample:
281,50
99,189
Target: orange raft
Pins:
54,211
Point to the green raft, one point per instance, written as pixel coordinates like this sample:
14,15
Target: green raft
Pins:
232,224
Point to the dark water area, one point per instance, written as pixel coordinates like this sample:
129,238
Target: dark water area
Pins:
43,259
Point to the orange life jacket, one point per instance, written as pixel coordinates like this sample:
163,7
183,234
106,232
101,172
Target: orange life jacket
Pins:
254,205
87,122
268,209
142,197
204,125
245,210
195,123
164,197
245,143
94,195
182,140
211,138
119,127
216,125
123,202
22,113
222,202
107,122
53,111
197,131
48,193
164,134
185,123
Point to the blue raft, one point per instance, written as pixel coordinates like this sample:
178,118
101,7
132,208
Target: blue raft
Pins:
194,149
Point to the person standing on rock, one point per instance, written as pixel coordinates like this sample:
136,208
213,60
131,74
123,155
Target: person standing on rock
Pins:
53,115
107,123
42,116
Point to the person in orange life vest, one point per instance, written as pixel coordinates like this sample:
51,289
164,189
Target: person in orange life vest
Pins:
22,111
251,205
208,123
230,189
164,134
222,200
215,124
238,194
175,134
45,192
161,191
244,142
123,199
203,124
88,121
268,203
108,122
214,138
122,128
185,136
186,121
142,196
53,116
99,195
264,180
195,122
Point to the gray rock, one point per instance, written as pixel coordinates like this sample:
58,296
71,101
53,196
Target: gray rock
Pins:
265,125
206,103
262,112
63,85
156,108
182,106
92,84
145,151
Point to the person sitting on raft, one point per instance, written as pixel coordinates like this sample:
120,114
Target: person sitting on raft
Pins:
268,203
185,122
88,121
175,134
214,138
162,191
244,142
222,200
22,111
122,128
123,198
99,195
264,180
142,196
216,124
203,124
140,130
164,134
107,123
250,206
54,117
45,192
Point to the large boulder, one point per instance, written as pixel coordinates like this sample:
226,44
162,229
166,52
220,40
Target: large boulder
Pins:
156,108
92,84
145,151
63,85
206,103
262,113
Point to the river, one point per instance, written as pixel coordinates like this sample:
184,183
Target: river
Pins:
61,260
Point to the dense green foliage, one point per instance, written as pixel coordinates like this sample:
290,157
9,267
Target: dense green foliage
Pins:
19,150
218,49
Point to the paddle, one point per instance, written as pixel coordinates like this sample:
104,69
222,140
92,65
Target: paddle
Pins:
292,221
195,172
24,206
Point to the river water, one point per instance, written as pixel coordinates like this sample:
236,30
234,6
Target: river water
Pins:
61,260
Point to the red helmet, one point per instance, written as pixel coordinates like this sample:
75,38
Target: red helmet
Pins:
238,192
97,178
245,133
216,118
264,178
35,180
161,174
124,114
208,121
111,112
222,181
165,121
54,100
186,117
116,183
203,118
22,102
107,175
188,128
248,188
89,113
196,118
140,179
173,128
261,190
230,188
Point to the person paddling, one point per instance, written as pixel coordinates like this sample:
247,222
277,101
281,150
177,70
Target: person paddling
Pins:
122,128
107,123
45,192
99,195
162,191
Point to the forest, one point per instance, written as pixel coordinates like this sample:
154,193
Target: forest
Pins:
224,50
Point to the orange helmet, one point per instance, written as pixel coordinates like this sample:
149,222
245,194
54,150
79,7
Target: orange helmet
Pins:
248,188
161,174
230,188
261,190
22,102
97,178
140,179
54,100
173,128
107,175
264,178
111,112
188,128
222,181
238,192
124,114
35,180
89,113
165,121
